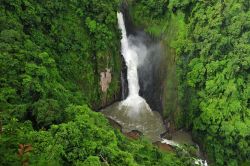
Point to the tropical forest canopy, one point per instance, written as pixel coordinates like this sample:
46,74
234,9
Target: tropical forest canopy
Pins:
212,43
51,56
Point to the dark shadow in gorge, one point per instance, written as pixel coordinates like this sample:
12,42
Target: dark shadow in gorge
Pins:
150,73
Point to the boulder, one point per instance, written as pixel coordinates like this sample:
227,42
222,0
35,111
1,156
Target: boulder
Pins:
164,147
134,134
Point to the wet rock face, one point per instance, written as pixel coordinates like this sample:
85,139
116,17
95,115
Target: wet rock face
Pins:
151,73
105,80
124,81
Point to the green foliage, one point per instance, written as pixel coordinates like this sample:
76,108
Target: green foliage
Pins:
90,161
51,56
85,139
216,74
179,4
211,39
14,134
150,14
154,9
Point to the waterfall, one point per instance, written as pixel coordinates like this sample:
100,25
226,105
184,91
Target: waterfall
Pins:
134,113
132,60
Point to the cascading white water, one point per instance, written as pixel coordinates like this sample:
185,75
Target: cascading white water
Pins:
197,161
130,55
131,59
